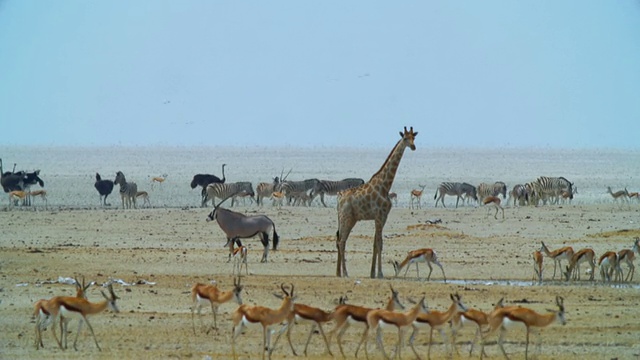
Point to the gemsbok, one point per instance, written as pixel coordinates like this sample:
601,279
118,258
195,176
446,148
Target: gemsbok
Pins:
239,226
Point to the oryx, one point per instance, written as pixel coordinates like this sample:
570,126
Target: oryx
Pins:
239,226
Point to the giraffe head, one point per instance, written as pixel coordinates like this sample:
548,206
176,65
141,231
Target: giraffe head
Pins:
408,137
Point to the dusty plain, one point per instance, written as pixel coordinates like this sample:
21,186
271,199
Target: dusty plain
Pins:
484,259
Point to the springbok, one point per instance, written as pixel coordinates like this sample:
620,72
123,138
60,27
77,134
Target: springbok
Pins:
42,194
145,197
417,195
158,179
495,201
239,226
620,194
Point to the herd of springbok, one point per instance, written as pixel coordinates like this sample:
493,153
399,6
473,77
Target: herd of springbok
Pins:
610,263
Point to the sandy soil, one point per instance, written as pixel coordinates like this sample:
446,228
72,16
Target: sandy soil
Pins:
484,260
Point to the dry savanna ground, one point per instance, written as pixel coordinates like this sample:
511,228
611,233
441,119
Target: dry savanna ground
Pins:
484,259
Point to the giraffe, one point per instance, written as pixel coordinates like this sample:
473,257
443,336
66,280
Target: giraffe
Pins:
370,201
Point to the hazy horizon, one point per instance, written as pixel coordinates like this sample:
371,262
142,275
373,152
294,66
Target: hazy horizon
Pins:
497,74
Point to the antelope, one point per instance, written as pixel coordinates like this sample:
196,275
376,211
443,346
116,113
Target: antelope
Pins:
393,197
564,253
278,198
506,318
628,256
381,318
41,193
158,179
309,315
584,255
537,265
634,195
16,195
417,195
240,258
609,263
78,308
45,312
246,315
478,317
495,201
417,256
436,320
620,194
346,315
145,197
203,294
239,226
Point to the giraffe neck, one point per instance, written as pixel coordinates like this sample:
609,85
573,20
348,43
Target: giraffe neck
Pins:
383,179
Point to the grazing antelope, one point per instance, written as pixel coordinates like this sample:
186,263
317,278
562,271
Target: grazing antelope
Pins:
158,179
16,195
240,258
45,312
477,317
584,255
609,263
346,315
78,308
145,197
381,318
627,256
620,194
247,315
505,318
393,197
417,256
417,195
564,253
537,265
203,294
495,201
436,320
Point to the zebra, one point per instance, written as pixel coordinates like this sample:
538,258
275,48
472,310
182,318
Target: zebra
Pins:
292,188
496,189
457,189
328,187
128,191
551,188
519,194
223,191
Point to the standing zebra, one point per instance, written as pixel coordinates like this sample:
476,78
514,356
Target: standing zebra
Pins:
551,188
485,190
519,194
294,188
455,189
128,191
224,191
328,187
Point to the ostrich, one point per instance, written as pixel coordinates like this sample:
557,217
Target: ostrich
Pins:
11,180
104,187
205,179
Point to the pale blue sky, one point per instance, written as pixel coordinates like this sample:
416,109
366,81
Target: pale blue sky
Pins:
560,74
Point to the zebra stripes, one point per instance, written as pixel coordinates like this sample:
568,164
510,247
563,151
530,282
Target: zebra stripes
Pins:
519,194
295,188
455,189
551,188
496,189
328,187
226,190
128,191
